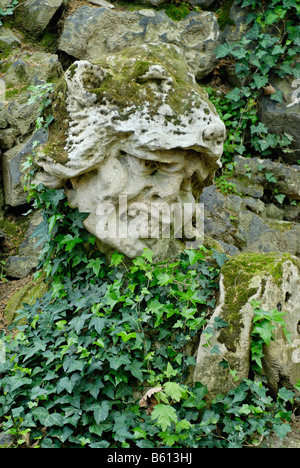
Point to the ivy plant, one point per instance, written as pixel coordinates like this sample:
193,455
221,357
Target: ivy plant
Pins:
80,359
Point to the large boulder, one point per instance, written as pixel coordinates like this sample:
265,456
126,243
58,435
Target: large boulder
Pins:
93,33
273,280
37,14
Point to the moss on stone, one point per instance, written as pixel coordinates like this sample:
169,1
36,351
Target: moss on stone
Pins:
224,15
238,273
26,295
122,85
54,148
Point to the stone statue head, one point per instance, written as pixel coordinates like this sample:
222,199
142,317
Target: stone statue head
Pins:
141,134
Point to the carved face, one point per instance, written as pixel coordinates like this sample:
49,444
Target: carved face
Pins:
140,128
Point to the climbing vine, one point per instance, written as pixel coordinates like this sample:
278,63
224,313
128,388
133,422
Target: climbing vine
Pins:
267,49
103,358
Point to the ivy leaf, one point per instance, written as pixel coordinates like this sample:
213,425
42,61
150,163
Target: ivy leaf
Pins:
220,257
277,96
223,50
175,391
285,394
101,411
78,322
135,369
47,419
234,95
118,361
282,429
164,415
260,80
280,197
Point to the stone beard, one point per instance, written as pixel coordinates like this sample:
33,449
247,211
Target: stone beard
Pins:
142,131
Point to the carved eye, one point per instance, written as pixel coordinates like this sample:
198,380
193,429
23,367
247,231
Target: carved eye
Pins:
170,168
156,84
156,78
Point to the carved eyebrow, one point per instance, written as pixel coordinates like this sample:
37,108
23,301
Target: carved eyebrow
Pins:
155,72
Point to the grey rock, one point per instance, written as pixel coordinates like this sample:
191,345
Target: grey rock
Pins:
273,212
202,3
38,14
17,117
12,166
284,117
101,3
8,38
19,267
27,259
245,277
5,440
92,33
287,177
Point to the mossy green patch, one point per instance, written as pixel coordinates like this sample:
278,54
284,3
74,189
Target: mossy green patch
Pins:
176,12
26,295
124,86
238,273
54,148
224,15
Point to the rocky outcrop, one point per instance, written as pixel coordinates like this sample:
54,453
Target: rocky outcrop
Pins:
274,281
93,33
263,215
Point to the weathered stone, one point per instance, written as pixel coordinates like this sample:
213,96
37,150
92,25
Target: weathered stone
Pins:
141,128
202,3
287,177
8,42
6,440
27,259
274,281
284,117
13,161
101,3
28,294
91,34
34,69
37,14
17,117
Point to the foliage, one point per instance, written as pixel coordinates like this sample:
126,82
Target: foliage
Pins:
265,324
267,49
102,334
8,11
41,93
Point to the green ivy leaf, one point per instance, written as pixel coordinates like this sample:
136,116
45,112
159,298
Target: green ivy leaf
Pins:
101,411
47,419
175,391
164,416
282,429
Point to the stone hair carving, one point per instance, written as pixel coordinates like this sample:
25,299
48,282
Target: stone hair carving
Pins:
141,131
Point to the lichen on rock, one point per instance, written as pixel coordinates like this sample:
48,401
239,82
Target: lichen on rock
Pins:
272,279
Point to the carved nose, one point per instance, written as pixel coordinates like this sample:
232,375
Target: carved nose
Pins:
214,135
